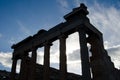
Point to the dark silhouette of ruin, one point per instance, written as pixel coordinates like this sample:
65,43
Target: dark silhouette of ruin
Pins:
99,64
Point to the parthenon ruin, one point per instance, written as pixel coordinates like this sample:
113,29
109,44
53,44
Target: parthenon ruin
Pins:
99,64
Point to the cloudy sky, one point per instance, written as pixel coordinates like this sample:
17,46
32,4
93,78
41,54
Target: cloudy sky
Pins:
22,18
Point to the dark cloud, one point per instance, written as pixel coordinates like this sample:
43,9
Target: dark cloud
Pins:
114,50
75,55
114,53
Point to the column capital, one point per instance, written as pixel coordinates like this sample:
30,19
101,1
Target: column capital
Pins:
80,28
24,55
14,58
63,36
47,43
34,48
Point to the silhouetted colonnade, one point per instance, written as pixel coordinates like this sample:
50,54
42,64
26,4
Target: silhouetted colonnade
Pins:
76,21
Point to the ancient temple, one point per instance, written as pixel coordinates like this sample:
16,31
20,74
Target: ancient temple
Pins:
99,64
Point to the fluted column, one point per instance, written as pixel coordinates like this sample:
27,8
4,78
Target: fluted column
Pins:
33,64
63,61
13,70
46,73
84,56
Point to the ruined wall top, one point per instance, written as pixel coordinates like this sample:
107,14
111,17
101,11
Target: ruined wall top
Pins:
81,10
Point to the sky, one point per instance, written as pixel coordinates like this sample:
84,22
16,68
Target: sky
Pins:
22,18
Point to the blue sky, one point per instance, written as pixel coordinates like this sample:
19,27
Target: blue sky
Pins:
22,18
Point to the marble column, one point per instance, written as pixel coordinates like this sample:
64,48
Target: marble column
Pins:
84,56
33,64
23,68
63,61
46,73
13,70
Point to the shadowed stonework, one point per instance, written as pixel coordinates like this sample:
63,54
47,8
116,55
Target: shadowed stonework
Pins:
99,64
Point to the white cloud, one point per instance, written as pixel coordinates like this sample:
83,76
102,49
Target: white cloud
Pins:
77,2
72,43
40,57
12,41
5,59
23,28
106,19
114,53
74,67
63,5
